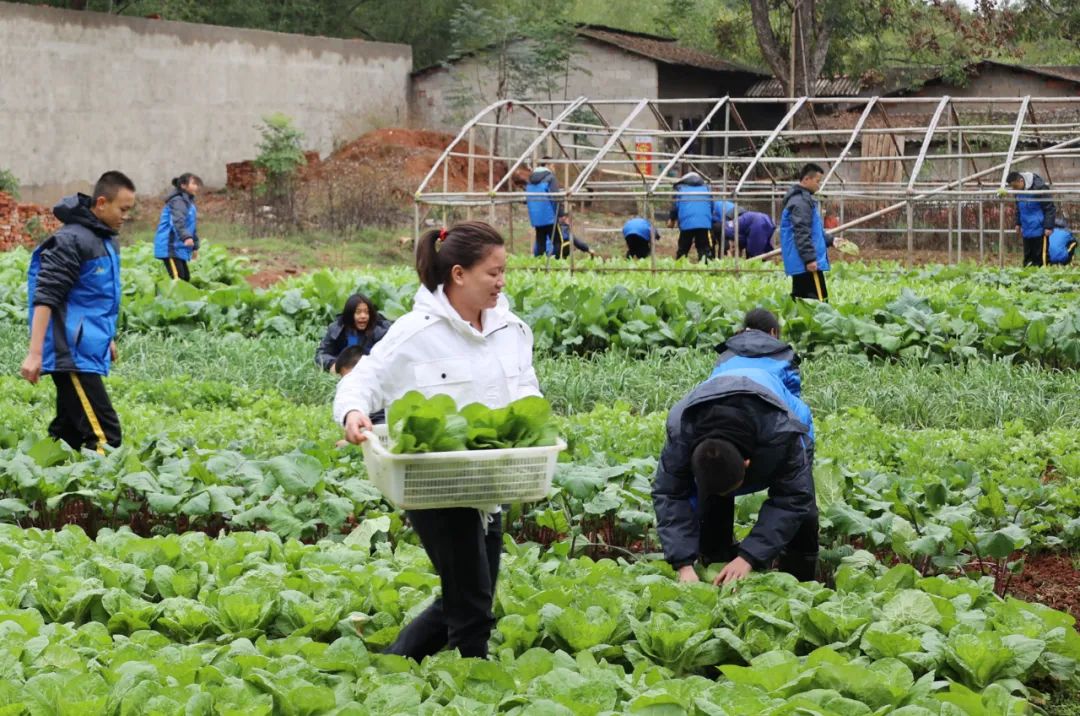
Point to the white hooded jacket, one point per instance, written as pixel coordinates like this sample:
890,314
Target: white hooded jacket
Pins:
434,350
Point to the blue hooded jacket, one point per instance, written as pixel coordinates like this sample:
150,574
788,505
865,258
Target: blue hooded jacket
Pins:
781,464
693,205
179,218
1034,212
759,350
76,273
802,233
1062,243
638,227
543,210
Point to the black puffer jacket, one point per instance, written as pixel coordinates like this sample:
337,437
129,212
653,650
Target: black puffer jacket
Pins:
337,336
781,464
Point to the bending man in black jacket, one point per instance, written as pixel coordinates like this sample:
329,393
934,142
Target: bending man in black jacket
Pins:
734,434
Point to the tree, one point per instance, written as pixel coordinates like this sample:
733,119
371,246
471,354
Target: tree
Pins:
808,44
516,54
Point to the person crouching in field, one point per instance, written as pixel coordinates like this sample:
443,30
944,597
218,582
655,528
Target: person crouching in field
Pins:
735,434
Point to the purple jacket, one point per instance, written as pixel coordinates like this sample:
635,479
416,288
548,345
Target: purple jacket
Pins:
755,232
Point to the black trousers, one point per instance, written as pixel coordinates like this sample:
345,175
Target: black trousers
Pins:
84,413
177,268
637,247
700,238
717,540
1035,250
810,285
467,561
543,233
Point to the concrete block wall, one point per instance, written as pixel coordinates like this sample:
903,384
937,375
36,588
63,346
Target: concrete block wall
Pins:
83,92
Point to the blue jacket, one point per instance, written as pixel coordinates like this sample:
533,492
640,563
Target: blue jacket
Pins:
722,211
179,218
757,349
76,273
802,233
781,464
638,227
543,210
693,203
755,232
1034,212
1061,246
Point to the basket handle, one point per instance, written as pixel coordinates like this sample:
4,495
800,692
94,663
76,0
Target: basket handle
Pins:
371,436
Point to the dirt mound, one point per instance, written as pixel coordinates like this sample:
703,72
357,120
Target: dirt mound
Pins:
24,224
408,155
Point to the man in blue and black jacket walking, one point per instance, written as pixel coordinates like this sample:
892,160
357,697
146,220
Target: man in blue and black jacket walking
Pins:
803,241
735,434
74,292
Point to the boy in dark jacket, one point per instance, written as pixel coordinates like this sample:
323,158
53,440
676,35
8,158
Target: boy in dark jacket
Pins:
803,241
74,296
1035,215
733,435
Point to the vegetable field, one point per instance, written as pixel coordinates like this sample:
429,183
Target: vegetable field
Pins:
230,559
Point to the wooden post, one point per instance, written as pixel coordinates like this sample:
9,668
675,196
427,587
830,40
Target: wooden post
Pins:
960,204
910,234
1001,234
491,175
472,168
948,150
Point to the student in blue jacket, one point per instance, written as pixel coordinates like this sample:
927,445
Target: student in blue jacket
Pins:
176,241
546,212
804,244
758,345
736,434
1061,244
638,235
74,296
692,212
1034,216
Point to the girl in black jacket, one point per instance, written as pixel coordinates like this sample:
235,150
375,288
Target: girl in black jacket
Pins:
358,325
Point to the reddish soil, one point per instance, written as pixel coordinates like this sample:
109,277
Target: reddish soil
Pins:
1049,579
408,154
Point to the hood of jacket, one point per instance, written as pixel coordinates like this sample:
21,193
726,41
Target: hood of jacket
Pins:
691,179
753,344
540,174
797,189
75,209
436,303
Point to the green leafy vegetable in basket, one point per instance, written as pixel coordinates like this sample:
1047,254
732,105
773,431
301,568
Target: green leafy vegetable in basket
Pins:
418,425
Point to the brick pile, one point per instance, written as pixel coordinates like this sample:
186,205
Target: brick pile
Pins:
23,224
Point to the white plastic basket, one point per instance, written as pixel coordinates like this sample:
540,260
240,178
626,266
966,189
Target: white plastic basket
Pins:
468,478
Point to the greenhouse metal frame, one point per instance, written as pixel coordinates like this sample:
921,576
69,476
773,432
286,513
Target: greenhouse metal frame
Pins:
978,141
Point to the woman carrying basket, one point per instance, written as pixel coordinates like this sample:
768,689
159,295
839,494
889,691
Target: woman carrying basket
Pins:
461,340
